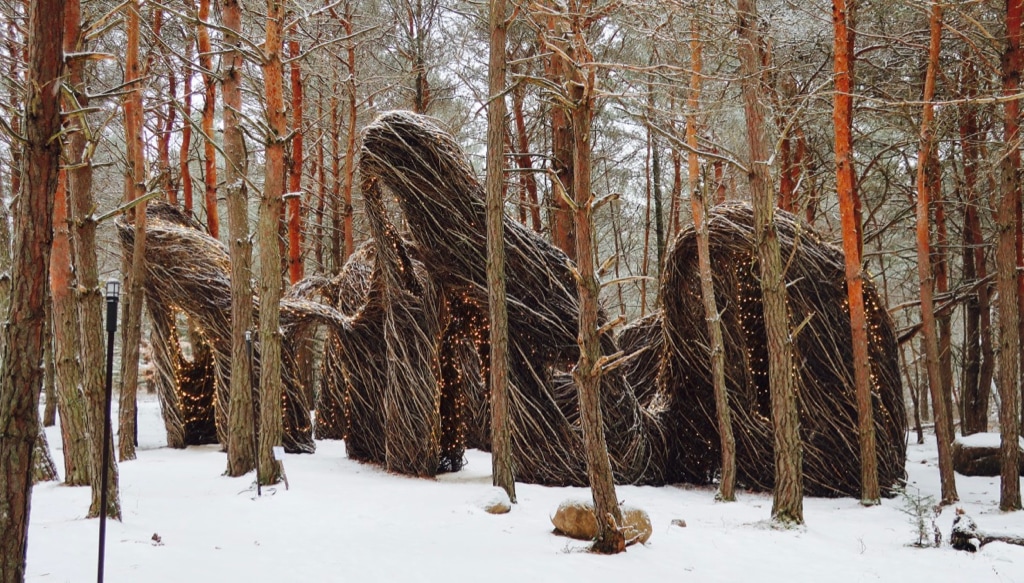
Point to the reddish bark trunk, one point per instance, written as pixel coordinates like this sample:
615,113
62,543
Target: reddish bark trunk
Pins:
271,423
849,211
186,133
295,267
524,160
928,328
209,149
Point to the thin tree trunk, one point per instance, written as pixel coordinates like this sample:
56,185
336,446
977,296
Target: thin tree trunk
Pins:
353,131
74,428
524,160
587,374
501,434
645,257
131,329
928,331
209,150
974,397
1006,267
336,211
555,70
271,424
186,131
295,267
787,507
321,202
699,206
5,257
89,295
20,374
241,445
849,210
941,271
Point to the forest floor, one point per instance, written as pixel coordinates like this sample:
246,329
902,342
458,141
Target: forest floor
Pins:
345,521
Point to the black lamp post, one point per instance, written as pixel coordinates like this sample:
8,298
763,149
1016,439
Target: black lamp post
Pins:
113,291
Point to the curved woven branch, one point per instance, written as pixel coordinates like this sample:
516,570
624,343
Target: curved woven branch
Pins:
405,363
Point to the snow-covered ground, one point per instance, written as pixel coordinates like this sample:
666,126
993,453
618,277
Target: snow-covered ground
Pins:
344,521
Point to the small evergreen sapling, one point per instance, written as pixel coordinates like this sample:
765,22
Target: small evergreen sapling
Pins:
923,511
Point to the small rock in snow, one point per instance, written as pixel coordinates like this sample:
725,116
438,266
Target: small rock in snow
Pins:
575,519
496,502
679,522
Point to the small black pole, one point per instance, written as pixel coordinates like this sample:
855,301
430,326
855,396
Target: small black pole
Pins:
113,291
255,416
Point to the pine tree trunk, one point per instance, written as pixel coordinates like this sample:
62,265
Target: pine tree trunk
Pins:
501,435
186,131
523,158
699,206
5,257
241,446
131,330
787,507
321,201
74,429
587,374
928,331
974,396
49,372
89,296
295,267
555,70
941,272
209,149
271,424
849,210
1007,227
336,210
353,131
20,374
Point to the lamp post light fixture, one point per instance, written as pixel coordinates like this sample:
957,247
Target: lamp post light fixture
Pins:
113,292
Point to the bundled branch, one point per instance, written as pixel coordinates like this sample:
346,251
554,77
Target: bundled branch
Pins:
406,356
188,274
822,349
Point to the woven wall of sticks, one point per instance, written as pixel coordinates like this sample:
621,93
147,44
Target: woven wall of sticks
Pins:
406,351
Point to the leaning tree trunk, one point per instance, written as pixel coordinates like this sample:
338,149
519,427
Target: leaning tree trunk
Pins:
787,507
849,210
501,434
271,425
43,468
241,445
699,205
928,331
20,374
